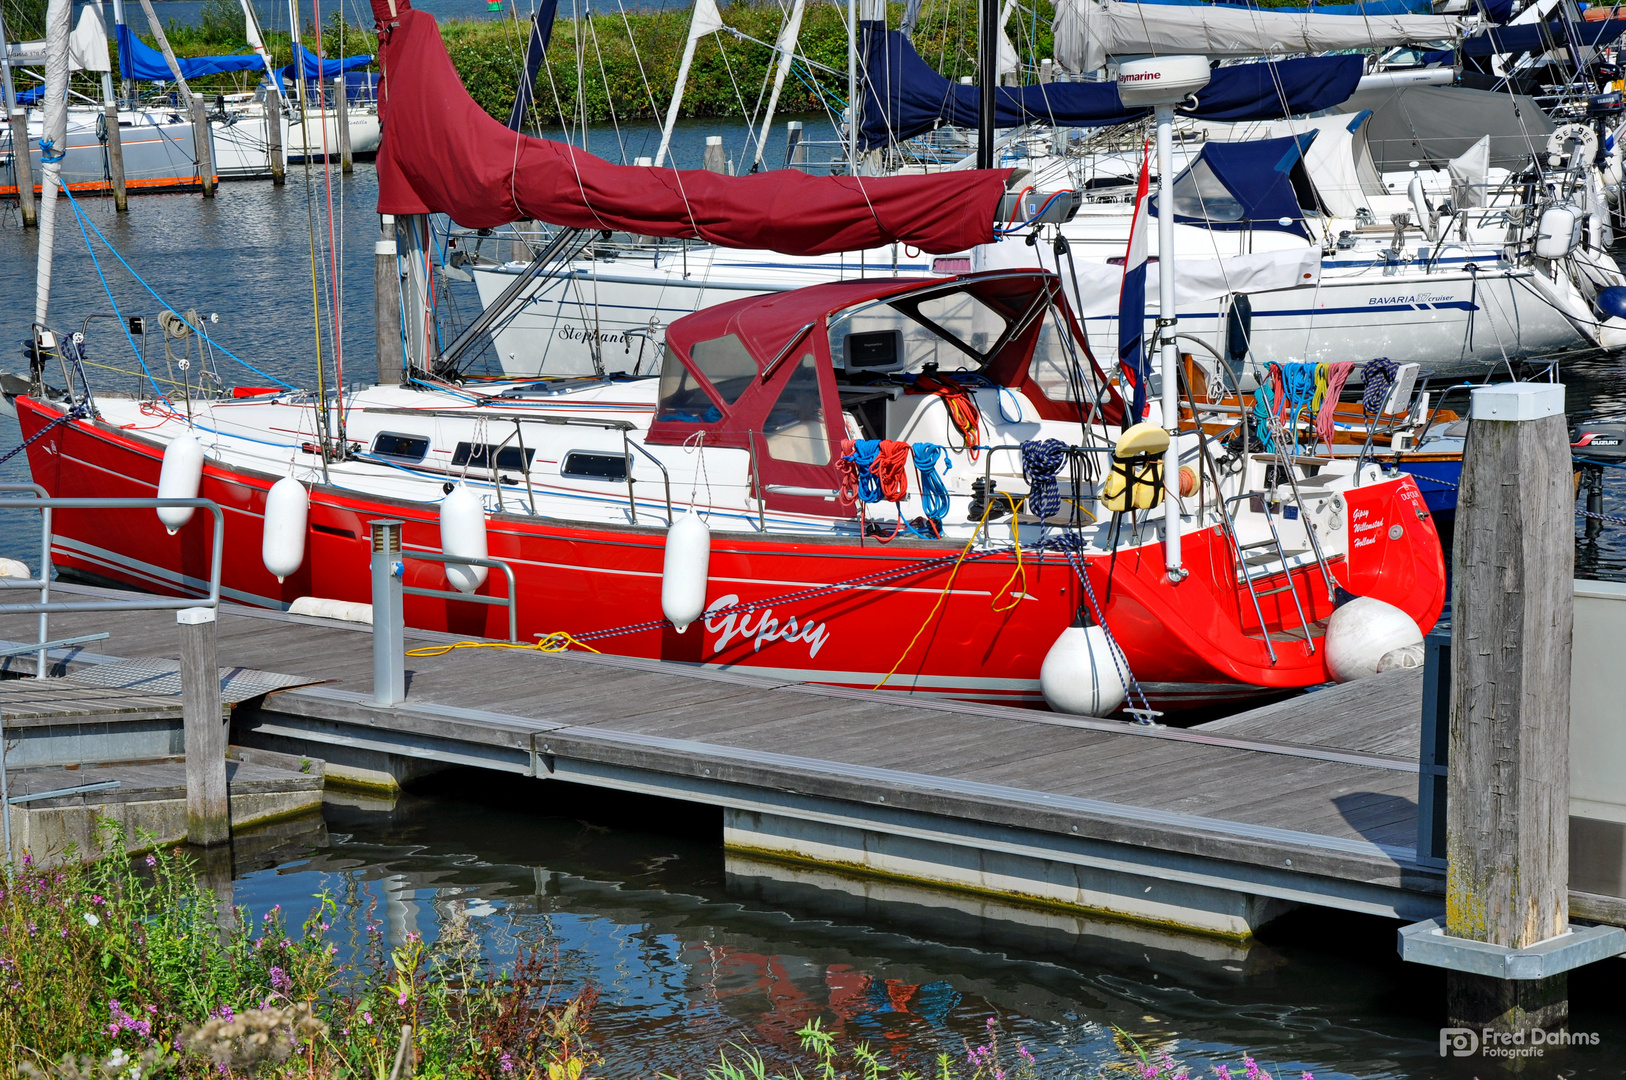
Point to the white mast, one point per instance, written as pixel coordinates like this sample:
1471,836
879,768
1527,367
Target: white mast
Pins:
788,35
256,41
53,142
8,94
707,20
1163,83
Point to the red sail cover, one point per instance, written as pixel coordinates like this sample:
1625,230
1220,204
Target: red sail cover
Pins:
442,153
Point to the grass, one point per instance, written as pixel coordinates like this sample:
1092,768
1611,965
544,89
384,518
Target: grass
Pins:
130,969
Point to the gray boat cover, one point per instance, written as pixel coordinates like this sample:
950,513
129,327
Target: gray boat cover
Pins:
1433,124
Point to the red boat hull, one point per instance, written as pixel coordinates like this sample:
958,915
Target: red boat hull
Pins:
1188,644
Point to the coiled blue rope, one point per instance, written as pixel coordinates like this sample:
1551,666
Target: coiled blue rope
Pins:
1041,461
934,499
1379,376
1264,404
865,451
48,158
1298,387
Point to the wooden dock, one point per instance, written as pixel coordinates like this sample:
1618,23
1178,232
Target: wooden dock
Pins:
1216,828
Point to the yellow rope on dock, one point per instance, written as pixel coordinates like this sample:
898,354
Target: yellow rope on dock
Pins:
556,642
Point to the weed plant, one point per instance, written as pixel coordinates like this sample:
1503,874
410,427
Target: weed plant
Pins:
130,968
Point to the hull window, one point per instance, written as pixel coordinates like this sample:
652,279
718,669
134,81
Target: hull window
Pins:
480,456
401,447
585,466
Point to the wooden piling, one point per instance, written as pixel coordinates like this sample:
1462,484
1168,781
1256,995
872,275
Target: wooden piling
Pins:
115,157
208,806
23,168
273,139
341,121
1507,817
387,306
203,146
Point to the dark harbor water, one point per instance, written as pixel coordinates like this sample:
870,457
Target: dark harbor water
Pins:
692,948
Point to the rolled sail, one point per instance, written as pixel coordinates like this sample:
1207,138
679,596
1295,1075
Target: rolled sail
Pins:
442,153
1089,31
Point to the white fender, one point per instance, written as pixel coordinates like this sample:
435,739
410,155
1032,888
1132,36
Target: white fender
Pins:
1612,333
1078,675
179,478
1419,203
463,532
1361,633
685,573
282,544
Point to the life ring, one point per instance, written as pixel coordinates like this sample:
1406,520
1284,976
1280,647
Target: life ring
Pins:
1570,137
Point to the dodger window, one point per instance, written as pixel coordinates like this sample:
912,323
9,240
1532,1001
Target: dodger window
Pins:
795,428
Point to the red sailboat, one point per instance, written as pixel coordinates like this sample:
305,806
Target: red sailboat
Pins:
926,485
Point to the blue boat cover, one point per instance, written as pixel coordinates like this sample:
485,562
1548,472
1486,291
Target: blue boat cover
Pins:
1370,7
143,63
324,70
31,97
535,52
904,96
1244,185
1540,37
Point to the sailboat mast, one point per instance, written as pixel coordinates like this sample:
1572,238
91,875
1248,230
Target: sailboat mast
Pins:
852,87
53,145
987,76
9,92
118,21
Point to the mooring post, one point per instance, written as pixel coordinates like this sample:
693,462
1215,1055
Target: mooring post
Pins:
203,141
22,168
115,146
341,120
795,150
208,805
389,624
273,138
714,159
387,305
1508,790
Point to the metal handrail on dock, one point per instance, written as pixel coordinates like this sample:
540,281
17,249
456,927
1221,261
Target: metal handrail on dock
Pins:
45,606
510,601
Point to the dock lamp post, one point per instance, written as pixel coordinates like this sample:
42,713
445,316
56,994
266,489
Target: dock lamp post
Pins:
1164,82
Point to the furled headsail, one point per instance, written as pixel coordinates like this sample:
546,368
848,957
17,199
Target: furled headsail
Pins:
904,96
1089,31
442,153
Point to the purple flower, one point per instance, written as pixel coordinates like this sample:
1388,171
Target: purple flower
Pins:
507,1063
367,1016
151,861
1223,1072
280,981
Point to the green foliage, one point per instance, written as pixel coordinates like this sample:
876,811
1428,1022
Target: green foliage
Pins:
123,965
25,19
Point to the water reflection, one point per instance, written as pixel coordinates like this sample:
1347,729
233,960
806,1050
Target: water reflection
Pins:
692,948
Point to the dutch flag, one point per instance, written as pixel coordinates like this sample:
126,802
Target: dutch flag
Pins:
1132,359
